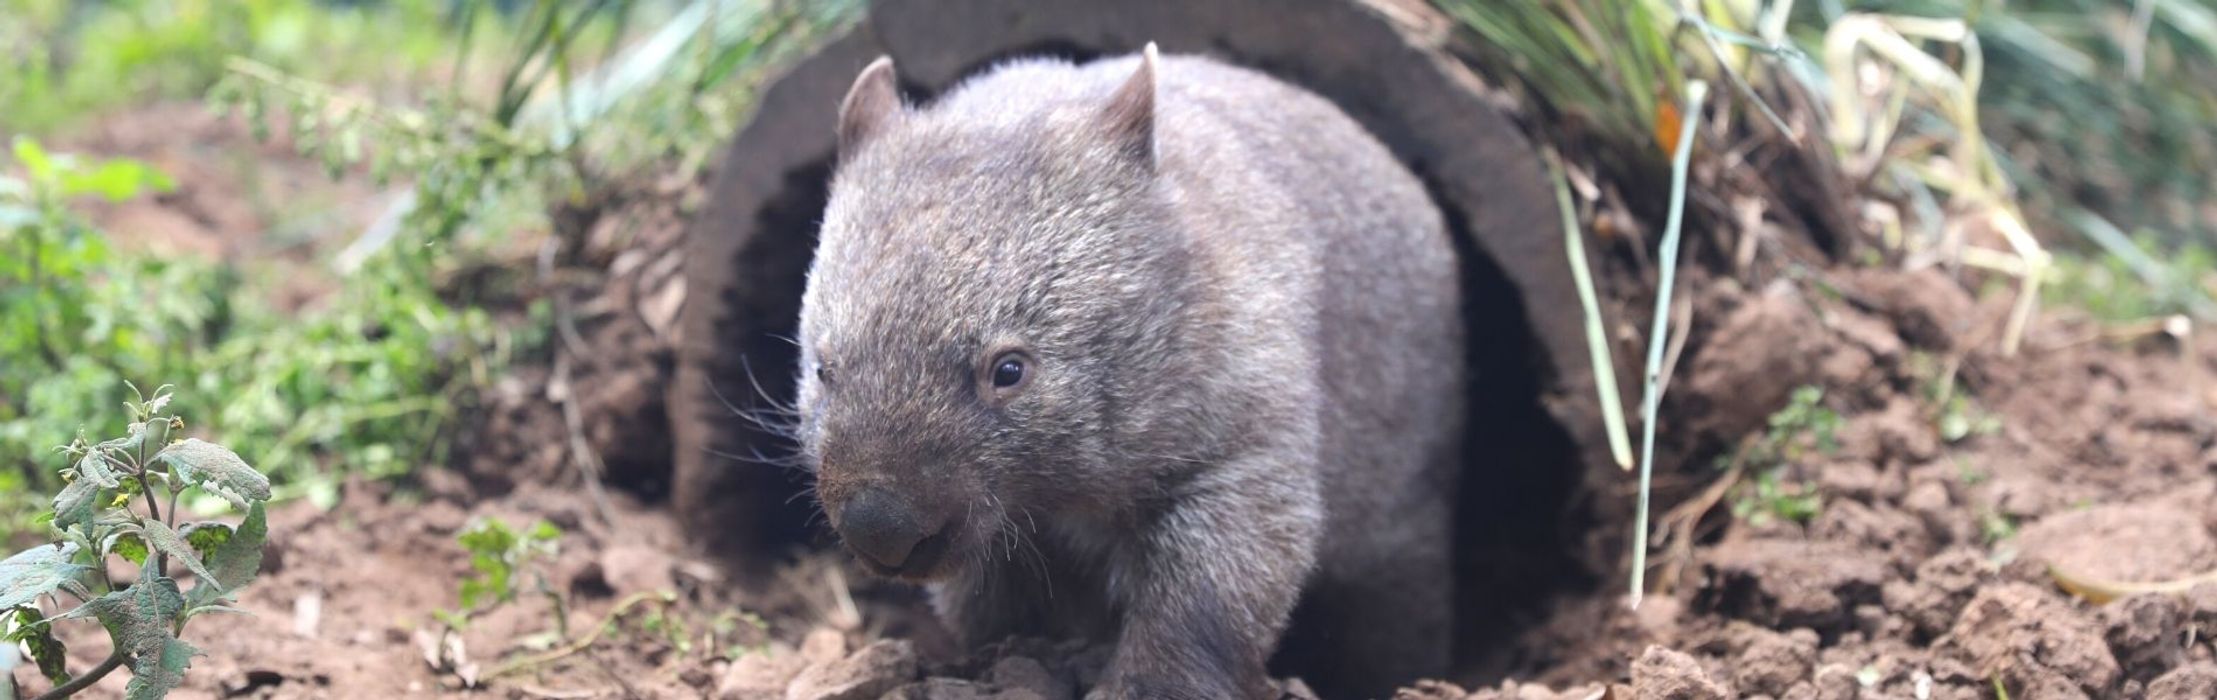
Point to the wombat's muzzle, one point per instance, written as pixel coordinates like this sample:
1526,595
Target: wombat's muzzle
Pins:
891,536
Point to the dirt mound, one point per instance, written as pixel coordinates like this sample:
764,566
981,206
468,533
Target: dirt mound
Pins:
1966,490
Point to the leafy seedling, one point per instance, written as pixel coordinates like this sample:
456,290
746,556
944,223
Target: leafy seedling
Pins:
500,557
112,503
1803,427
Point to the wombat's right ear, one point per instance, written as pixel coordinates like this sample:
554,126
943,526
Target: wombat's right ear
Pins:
873,103
1130,116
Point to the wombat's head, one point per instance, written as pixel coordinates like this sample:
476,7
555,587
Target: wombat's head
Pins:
982,293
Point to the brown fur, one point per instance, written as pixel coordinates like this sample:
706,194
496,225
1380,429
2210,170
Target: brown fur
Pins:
1240,315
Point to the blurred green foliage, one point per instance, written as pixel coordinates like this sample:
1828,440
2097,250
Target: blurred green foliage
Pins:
69,59
483,137
367,373
2109,289
2103,105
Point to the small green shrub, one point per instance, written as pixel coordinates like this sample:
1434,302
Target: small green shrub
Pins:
99,513
500,558
1803,427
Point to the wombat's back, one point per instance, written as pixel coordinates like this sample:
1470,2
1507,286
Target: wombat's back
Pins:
1318,226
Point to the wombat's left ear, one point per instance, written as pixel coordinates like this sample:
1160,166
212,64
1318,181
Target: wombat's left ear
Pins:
873,103
1130,116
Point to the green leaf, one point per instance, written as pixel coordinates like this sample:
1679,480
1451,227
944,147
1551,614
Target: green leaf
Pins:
33,158
130,546
154,675
238,560
217,469
140,620
118,180
35,572
206,537
77,503
173,544
96,468
33,632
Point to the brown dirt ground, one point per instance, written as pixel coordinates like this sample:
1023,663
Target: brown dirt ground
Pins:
1926,573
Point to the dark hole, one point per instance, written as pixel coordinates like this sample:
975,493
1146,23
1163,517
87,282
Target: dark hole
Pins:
1515,546
752,383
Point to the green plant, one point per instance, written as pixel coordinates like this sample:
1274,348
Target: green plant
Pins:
1608,66
499,557
1961,418
1769,499
1957,415
1803,427
93,517
1996,526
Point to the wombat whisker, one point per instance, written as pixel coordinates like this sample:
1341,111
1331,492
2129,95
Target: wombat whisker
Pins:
816,509
718,392
778,422
808,493
758,458
759,415
748,367
1016,545
778,426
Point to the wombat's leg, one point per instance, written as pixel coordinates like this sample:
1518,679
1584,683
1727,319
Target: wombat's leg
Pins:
1207,593
989,603
1372,623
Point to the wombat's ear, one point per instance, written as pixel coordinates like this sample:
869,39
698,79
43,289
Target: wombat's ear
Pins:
1130,117
873,103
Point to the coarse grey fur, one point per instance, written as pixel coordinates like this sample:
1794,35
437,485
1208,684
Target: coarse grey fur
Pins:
1236,321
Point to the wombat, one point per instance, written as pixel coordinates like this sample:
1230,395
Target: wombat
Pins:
1141,351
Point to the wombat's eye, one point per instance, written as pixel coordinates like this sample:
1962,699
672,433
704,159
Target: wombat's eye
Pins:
1001,379
1008,371
823,374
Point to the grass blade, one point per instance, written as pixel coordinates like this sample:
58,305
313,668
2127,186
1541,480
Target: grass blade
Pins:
1597,341
1696,93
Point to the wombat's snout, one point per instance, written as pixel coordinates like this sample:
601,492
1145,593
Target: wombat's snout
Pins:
890,535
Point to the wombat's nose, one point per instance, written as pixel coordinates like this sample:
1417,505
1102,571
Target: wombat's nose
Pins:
880,526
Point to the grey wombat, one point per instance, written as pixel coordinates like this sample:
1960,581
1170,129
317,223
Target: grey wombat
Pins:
1146,351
